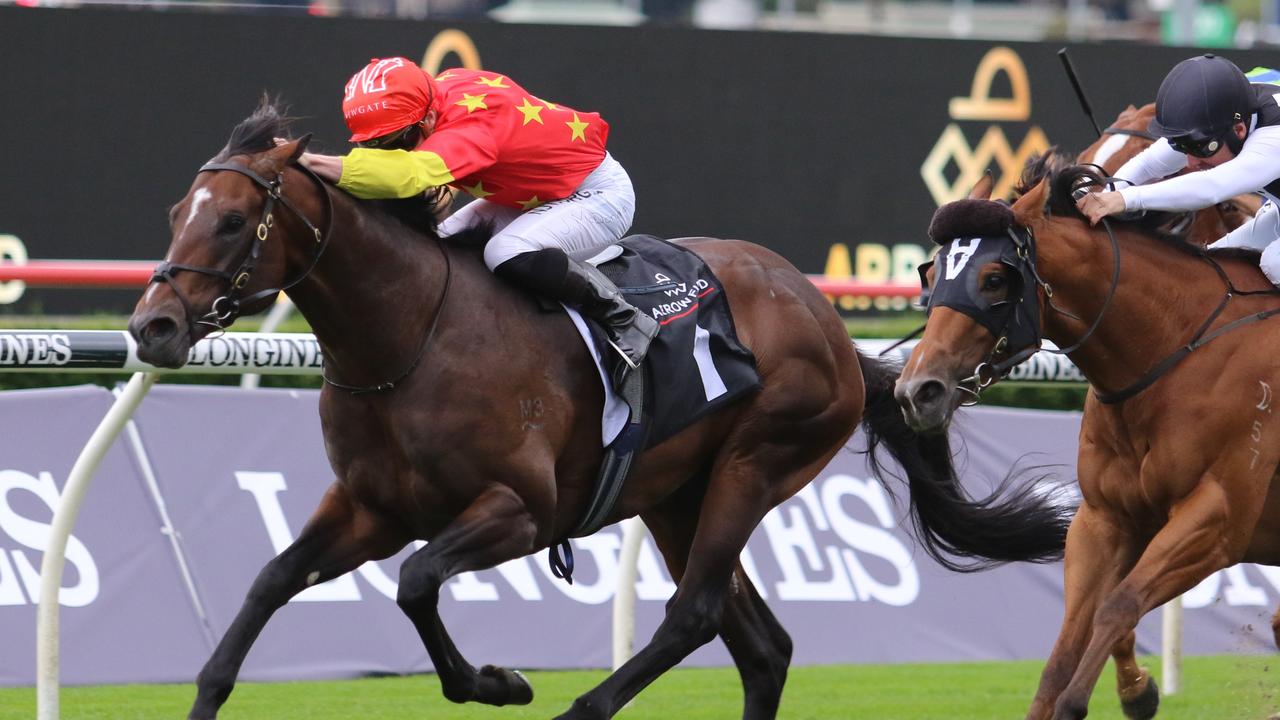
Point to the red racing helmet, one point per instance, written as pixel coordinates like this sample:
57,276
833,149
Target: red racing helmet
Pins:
386,95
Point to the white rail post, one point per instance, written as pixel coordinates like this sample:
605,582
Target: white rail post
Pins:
624,599
64,519
1171,647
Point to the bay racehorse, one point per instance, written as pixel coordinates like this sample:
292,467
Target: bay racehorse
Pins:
435,445
1178,443
1127,136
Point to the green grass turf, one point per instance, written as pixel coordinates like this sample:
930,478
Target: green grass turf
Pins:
1226,688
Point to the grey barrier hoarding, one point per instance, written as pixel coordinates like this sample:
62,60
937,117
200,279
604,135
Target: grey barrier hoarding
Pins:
831,149
240,471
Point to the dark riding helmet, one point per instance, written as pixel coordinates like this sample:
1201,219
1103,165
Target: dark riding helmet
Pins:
1201,99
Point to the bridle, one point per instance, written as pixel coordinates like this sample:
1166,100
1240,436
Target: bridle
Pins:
989,371
224,310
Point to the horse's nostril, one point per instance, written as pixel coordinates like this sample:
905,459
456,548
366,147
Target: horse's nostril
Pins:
930,392
159,330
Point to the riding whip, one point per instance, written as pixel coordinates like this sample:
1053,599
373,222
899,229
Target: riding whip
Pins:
1075,83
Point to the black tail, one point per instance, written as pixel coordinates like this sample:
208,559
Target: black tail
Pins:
1017,522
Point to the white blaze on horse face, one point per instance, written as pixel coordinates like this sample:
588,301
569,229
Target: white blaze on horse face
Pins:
958,256
1110,147
201,197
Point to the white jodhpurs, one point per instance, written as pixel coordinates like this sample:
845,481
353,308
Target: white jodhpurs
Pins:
1260,233
597,213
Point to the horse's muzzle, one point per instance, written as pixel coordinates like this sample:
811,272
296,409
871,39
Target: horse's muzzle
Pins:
162,340
927,403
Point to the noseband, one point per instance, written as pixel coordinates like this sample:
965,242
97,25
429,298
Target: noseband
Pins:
990,370
226,308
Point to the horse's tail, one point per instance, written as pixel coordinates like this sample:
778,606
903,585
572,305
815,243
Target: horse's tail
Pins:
1018,521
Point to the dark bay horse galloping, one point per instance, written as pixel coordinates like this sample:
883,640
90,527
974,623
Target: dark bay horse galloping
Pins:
1179,444
448,456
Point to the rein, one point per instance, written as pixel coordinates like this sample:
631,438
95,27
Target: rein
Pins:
1201,338
987,372
422,350
224,310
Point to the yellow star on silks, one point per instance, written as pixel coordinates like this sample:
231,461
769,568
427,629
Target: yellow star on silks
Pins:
446,75
495,82
530,204
550,105
530,112
477,190
472,102
578,127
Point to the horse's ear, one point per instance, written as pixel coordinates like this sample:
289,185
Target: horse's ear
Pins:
301,147
1031,205
287,153
982,189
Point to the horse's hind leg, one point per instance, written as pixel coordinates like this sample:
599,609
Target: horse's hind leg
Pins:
329,546
760,647
494,529
1139,694
745,484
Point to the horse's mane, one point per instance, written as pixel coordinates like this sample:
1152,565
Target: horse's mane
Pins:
256,134
1064,176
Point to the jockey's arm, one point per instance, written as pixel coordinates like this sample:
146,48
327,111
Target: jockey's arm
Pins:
1156,161
445,156
1257,165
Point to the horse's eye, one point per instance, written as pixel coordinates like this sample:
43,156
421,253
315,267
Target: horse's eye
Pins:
994,282
231,224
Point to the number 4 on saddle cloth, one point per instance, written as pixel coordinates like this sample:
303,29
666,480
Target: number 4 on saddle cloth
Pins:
694,366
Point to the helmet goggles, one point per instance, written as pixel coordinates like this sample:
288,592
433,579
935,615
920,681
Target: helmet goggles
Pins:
1196,145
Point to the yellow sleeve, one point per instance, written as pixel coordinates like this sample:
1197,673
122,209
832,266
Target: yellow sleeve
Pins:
380,174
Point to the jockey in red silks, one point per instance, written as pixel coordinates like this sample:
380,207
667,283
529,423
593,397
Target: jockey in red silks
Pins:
538,170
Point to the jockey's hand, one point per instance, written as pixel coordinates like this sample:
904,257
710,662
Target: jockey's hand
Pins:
328,167
1097,205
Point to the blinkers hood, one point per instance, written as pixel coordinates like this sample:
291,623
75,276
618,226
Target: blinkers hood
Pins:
973,233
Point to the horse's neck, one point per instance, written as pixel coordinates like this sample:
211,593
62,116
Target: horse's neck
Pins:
1162,297
372,295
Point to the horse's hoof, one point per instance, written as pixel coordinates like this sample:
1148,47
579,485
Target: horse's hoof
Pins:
499,686
1140,701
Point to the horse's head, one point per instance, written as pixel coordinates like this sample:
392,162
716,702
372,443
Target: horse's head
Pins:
229,254
1125,137
984,305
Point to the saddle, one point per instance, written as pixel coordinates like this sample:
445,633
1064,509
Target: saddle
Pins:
695,365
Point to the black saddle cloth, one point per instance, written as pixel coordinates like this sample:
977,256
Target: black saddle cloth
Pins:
696,362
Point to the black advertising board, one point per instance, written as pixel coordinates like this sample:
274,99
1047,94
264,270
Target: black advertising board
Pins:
833,150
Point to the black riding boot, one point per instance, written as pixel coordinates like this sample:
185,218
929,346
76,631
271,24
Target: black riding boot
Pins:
555,275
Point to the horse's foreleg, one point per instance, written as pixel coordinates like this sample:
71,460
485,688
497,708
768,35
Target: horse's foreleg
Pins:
327,547
494,529
760,647
1187,549
1098,554
1139,695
